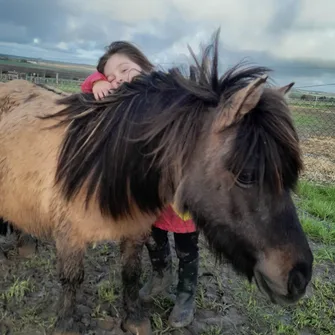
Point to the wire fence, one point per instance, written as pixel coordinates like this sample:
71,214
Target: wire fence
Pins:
314,118
313,114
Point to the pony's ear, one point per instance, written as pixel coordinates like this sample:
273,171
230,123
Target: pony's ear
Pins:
285,89
242,102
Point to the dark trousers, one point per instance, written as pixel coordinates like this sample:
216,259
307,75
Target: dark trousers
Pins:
186,244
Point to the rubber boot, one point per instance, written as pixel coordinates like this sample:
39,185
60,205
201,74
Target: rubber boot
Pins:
183,311
161,277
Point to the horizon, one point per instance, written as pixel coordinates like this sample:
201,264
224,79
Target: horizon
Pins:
93,68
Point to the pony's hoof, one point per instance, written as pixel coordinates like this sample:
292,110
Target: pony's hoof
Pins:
5,263
27,251
137,328
65,327
27,247
3,258
5,328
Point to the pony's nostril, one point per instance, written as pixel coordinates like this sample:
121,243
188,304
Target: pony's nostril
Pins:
298,280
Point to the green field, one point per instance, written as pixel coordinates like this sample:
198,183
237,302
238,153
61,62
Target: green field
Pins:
46,69
319,104
314,122
47,65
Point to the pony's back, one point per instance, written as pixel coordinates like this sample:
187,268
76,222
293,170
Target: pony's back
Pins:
29,152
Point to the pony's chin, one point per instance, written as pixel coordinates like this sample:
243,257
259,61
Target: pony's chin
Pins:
264,287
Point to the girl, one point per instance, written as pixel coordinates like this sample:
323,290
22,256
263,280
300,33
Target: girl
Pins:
122,62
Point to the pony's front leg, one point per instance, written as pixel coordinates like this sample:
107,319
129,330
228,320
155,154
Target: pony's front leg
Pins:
136,320
70,258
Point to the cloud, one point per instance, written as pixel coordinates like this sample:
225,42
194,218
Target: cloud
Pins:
283,20
127,11
295,37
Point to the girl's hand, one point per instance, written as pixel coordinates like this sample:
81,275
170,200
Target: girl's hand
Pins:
101,89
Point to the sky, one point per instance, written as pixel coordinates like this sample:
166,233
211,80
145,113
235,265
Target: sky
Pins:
296,38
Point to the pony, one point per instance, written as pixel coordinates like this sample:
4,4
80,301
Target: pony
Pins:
223,148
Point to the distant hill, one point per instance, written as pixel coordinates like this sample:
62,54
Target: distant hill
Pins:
15,57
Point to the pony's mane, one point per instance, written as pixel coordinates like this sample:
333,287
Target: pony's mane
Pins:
126,146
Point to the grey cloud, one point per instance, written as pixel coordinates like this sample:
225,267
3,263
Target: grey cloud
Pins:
286,12
22,21
284,71
43,19
303,73
47,20
10,32
155,43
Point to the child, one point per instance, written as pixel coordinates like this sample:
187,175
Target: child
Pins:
121,63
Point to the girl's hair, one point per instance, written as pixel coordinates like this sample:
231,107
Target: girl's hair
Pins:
127,49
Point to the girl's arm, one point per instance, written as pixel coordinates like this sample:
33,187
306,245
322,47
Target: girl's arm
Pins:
87,85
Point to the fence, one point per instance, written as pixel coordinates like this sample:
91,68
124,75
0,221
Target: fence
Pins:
66,85
314,117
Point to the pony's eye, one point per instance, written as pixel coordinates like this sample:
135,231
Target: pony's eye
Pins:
245,179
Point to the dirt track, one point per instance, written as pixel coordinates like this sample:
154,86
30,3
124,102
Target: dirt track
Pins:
34,290
225,303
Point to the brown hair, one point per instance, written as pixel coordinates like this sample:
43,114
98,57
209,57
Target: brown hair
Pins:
129,50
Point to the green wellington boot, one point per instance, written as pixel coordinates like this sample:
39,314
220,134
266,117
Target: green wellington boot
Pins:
161,277
183,311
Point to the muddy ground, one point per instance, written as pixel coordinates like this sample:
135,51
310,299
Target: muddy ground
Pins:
226,304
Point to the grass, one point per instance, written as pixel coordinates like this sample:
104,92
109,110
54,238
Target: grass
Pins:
69,87
48,66
213,330
318,231
18,290
318,200
325,253
306,120
313,123
315,313
106,292
311,104
317,203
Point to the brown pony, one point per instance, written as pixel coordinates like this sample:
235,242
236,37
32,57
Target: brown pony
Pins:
224,149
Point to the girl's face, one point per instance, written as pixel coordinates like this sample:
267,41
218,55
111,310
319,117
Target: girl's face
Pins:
119,68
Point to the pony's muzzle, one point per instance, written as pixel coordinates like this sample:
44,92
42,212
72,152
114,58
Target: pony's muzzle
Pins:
298,280
283,279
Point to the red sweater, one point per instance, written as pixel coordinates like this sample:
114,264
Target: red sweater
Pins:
87,85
